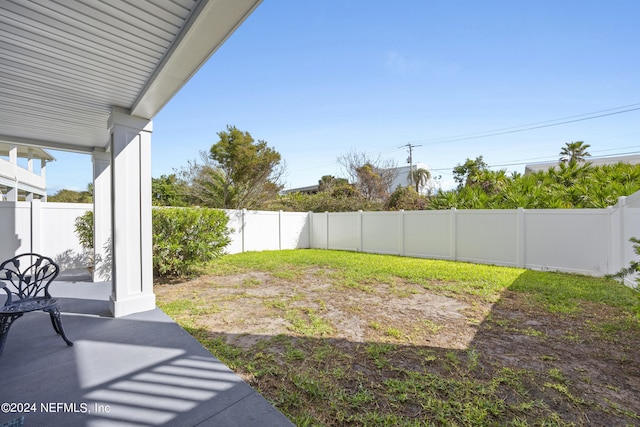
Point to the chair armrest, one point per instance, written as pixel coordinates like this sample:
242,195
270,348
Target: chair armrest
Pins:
3,286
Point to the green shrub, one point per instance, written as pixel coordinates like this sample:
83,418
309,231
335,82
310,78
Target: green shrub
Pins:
407,198
84,229
184,238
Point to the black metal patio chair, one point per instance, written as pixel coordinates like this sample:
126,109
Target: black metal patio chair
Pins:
26,278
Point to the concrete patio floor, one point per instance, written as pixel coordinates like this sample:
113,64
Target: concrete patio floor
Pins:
138,370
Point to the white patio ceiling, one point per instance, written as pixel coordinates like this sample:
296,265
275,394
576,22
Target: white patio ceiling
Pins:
64,64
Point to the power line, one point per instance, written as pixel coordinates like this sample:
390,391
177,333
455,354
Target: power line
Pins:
535,125
521,162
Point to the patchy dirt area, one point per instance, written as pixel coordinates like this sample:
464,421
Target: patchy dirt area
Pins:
246,307
581,368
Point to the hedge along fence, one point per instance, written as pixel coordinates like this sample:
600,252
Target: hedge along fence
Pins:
184,238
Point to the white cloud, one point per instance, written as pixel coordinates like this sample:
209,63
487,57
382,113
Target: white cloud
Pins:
395,62
399,64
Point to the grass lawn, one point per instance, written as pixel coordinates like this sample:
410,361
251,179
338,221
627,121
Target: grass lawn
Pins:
339,338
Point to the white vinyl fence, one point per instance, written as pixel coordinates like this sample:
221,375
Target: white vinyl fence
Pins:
577,241
586,241
42,227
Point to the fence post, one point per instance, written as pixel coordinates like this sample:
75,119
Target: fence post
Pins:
327,216
280,230
623,239
242,227
402,238
454,230
614,237
520,239
310,225
36,226
360,228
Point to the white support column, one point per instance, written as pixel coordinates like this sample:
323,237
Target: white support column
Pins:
43,174
132,276
30,161
102,245
12,192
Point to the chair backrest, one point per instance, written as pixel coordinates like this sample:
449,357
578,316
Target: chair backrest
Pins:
28,276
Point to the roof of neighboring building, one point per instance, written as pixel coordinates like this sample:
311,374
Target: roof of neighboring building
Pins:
633,159
23,151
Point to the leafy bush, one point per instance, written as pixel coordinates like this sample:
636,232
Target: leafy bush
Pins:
186,237
84,229
407,198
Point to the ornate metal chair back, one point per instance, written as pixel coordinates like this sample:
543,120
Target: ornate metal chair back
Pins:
28,276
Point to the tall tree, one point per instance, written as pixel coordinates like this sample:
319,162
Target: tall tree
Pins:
168,190
251,170
371,183
373,177
574,152
470,172
328,183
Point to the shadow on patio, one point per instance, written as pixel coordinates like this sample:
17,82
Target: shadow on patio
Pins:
139,370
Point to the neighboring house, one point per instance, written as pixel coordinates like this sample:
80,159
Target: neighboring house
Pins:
23,172
597,161
401,179
310,189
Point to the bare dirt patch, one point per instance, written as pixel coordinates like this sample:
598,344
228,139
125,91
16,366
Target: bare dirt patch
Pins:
250,305
580,368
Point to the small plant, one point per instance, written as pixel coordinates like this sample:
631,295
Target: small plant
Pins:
634,268
84,230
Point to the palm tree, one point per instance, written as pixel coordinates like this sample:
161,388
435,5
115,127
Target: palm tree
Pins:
420,178
574,152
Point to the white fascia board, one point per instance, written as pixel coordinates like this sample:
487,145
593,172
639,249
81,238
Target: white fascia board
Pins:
210,25
40,143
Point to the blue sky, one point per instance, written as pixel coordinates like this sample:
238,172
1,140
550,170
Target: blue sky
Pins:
316,79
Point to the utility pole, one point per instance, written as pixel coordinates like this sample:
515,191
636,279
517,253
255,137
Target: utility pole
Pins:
410,147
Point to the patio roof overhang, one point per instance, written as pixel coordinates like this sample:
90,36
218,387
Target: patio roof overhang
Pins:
65,65
88,76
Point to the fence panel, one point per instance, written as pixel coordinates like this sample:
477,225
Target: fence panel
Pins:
575,240
344,231
236,225
382,232
427,234
261,231
319,224
57,231
294,230
487,236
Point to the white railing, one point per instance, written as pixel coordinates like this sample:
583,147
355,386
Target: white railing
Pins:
11,173
586,241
